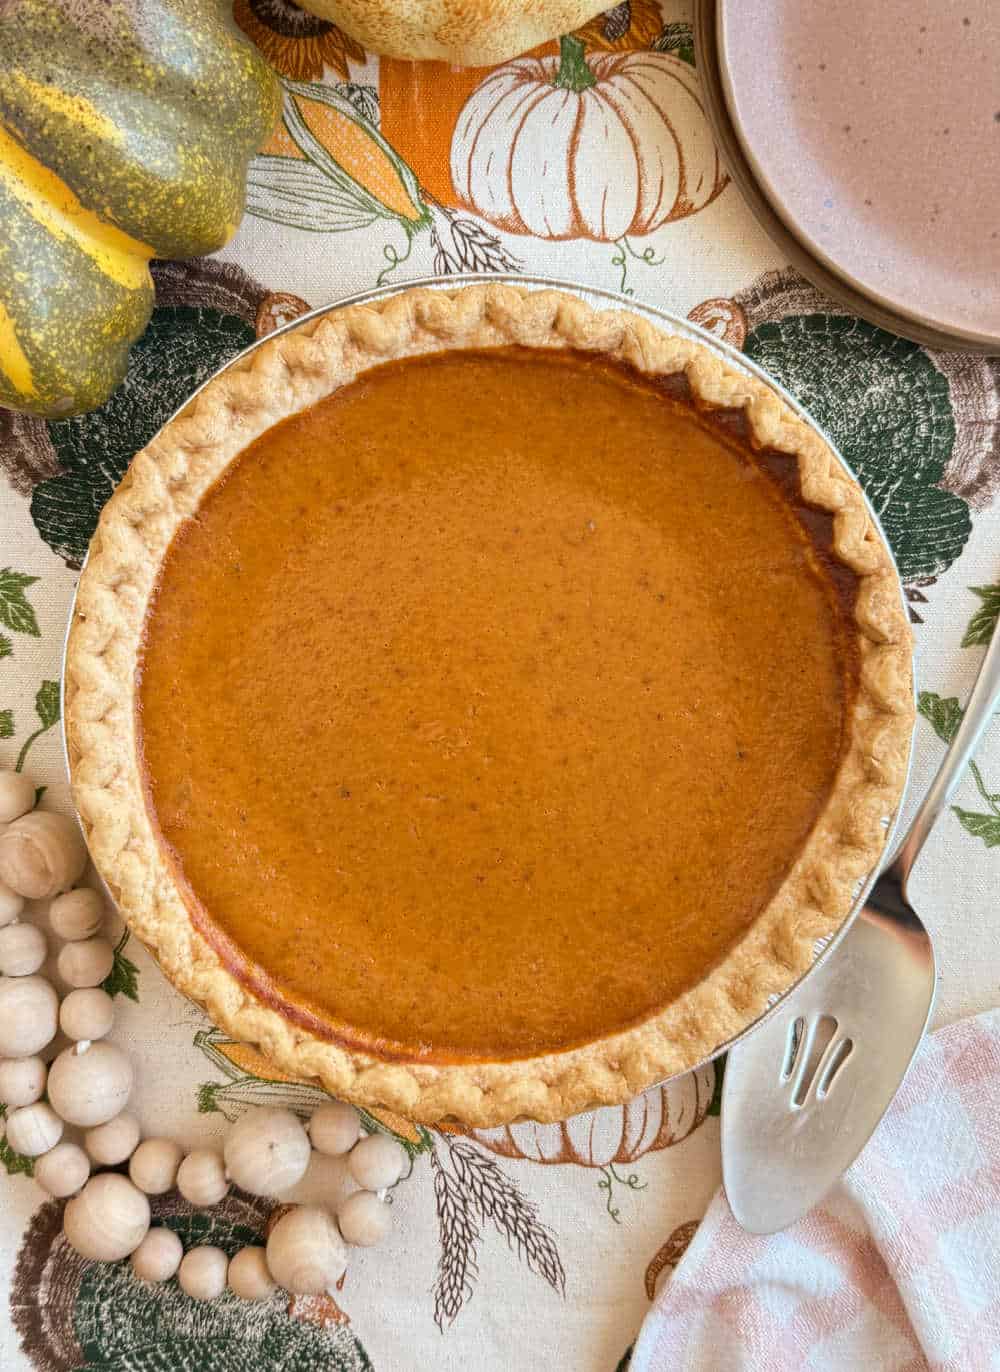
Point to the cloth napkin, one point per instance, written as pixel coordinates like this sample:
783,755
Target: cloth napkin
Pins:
899,1269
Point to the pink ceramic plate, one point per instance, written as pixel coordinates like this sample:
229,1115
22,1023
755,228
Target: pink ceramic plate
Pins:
874,130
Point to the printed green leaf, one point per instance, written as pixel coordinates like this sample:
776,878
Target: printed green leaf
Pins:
180,349
888,408
943,715
6,647
207,1092
986,827
6,723
14,1162
984,622
47,703
123,979
39,792
16,613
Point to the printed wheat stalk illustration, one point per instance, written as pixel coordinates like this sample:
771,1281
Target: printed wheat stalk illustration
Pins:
457,1268
471,1190
498,1201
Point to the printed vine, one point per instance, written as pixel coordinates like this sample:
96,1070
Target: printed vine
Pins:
609,1177
620,259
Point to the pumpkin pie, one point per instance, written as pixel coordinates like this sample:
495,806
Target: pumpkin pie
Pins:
483,703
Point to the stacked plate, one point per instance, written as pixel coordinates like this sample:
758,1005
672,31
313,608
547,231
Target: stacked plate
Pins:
866,139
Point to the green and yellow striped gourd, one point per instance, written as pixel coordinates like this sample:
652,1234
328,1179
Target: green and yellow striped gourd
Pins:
126,127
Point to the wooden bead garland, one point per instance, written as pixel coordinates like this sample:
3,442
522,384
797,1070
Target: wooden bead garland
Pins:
267,1151
201,1177
376,1163
34,1129
11,904
158,1256
202,1273
115,1142
305,1252
29,1009
17,796
86,963
153,1166
334,1129
41,853
77,914
87,1013
90,1083
63,1170
364,1219
107,1216
249,1275
22,950
22,1081
108,1219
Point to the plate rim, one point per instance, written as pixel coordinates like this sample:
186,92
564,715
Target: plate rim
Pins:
823,273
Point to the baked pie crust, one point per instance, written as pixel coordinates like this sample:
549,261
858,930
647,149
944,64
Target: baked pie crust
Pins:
163,488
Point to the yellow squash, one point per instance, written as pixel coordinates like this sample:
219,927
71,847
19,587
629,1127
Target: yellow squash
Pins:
126,127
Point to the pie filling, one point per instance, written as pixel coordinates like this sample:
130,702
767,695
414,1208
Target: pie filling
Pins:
484,705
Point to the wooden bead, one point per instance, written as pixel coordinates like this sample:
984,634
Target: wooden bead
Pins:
17,796
22,950
77,914
22,1081
267,1151
158,1256
90,1083
113,1143
201,1177
364,1220
29,1009
305,1252
86,963
376,1163
108,1219
202,1273
42,853
87,1014
63,1170
249,1275
33,1129
11,904
153,1166
334,1128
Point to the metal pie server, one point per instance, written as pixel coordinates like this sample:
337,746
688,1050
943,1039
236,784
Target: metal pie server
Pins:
805,1090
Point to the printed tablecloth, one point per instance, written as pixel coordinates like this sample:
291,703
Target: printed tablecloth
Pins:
534,1245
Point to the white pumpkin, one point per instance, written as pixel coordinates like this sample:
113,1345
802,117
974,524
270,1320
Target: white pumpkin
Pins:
602,147
660,1117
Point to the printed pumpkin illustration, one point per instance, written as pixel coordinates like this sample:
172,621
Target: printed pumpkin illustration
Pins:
421,101
660,1117
623,136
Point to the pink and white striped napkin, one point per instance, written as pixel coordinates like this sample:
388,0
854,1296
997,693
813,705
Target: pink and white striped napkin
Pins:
897,1271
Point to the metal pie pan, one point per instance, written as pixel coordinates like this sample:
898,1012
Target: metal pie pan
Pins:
599,299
